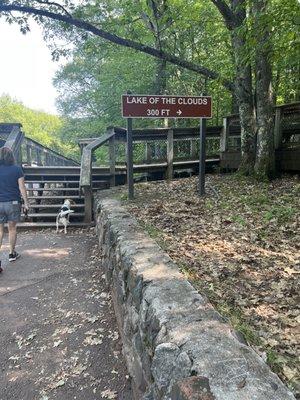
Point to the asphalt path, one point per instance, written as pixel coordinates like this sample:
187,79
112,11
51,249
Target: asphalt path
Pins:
58,333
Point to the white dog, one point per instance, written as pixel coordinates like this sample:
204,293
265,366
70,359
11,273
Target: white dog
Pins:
63,217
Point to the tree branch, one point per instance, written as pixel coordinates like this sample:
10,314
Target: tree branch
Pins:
51,3
225,12
118,40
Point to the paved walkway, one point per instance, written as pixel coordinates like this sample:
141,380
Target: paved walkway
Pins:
58,334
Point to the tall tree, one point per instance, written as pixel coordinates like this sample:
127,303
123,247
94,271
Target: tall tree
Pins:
265,154
157,20
110,71
239,16
235,20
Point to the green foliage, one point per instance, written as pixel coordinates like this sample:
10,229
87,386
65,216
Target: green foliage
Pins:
275,361
40,126
240,220
237,320
282,214
284,15
92,82
99,72
153,232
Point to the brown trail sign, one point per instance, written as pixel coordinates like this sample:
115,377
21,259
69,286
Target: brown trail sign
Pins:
142,106
145,106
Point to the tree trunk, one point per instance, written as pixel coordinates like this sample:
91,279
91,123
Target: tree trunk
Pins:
243,90
265,154
161,77
234,103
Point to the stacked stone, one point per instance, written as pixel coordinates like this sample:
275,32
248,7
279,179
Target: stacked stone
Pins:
176,345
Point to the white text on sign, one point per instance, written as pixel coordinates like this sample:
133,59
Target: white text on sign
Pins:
156,106
166,100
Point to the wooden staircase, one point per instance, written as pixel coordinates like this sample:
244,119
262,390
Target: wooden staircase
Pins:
51,178
48,187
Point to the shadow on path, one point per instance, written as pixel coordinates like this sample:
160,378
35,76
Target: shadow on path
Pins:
58,333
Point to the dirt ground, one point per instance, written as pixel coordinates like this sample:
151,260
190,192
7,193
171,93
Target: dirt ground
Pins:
58,333
240,247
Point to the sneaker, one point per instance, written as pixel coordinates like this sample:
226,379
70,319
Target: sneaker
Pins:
13,256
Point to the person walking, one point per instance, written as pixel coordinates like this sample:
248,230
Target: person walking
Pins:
12,186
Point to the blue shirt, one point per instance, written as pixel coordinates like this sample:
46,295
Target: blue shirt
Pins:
9,187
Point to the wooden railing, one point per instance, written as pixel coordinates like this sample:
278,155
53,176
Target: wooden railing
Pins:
86,169
152,146
116,136
36,154
286,139
171,149
14,142
29,152
286,125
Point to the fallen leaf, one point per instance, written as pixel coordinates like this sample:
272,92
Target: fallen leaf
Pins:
109,394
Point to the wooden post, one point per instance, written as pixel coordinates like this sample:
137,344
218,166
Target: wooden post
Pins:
277,128
28,154
224,136
47,158
112,159
148,152
193,148
170,154
202,156
38,156
19,156
88,204
40,192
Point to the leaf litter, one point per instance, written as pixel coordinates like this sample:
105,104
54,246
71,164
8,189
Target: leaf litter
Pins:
239,246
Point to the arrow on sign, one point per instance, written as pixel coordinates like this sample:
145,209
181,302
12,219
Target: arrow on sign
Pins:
179,112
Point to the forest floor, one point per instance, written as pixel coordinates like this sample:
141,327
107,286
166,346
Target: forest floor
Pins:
239,246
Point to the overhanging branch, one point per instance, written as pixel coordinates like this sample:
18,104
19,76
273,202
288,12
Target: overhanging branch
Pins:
118,40
52,3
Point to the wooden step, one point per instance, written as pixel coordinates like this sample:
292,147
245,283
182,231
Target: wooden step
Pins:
58,189
53,181
61,181
50,215
39,225
48,171
62,170
41,175
57,206
73,197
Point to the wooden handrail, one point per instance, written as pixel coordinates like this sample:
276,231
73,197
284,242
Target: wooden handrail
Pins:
85,182
15,139
57,156
86,159
14,142
288,105
153,134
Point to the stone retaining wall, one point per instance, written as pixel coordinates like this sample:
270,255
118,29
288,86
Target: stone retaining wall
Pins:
176,345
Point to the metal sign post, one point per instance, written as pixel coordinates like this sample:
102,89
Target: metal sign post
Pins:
202,156
130,160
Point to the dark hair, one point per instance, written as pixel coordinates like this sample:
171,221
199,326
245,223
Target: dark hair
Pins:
6,156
